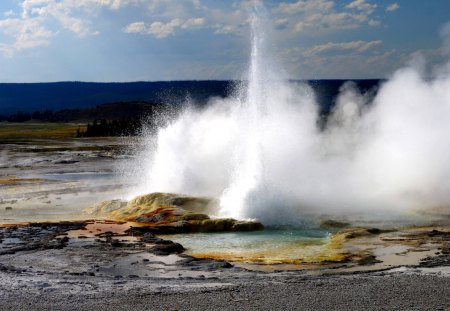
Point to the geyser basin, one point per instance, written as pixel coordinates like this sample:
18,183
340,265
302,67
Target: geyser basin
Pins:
269,246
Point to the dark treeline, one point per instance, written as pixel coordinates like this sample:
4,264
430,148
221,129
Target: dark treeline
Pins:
111,111
103,127
114,119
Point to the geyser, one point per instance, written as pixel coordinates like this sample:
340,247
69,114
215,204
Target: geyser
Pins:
263,153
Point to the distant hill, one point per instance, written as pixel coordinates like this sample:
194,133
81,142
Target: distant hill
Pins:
110,111
30,97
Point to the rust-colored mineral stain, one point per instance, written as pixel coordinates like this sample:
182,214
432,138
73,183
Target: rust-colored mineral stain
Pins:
99,227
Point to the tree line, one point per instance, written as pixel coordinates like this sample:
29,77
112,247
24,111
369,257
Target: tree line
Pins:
113,119
103,127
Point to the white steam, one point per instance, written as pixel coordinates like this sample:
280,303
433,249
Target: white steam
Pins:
263,154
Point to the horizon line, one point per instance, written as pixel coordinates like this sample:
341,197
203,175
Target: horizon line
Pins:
193,80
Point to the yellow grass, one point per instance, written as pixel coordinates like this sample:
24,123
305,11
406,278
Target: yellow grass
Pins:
38,130
13,180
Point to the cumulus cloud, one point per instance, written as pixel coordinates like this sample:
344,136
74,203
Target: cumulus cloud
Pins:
30,27
392,7
193,23
324,15
225,29
304,6
162,30
359,46
333,21
361,5
116,4
135,27
27,33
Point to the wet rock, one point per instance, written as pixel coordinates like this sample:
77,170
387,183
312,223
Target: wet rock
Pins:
166,247
224,225
139,231
116,243
149,238
358,232
375,231
205,263
213,225
368,260
37,236
206,225
436,261
241,226
437,233
195,216
333,224
171,228
65,162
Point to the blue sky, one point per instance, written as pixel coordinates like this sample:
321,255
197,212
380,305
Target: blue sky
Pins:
150,40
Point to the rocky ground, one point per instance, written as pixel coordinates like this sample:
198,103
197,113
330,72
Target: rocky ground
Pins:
54,179
106,266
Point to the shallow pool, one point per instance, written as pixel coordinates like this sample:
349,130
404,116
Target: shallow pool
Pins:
267,246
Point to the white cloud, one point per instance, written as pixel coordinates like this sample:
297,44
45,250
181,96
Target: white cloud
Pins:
323,15
361,5
31,27
136,27
225,29
116,4
392,7
333,21
193,23
304,6
27,34
162,30
358,46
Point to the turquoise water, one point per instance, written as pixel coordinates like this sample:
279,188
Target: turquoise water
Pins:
266,246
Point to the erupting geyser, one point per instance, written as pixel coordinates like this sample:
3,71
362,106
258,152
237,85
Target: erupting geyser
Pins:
264,155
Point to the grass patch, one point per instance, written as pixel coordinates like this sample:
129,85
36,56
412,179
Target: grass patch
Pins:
38,130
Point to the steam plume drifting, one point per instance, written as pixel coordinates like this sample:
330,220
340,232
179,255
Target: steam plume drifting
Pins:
263,154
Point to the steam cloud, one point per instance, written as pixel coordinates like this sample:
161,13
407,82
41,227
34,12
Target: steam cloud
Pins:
263,154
